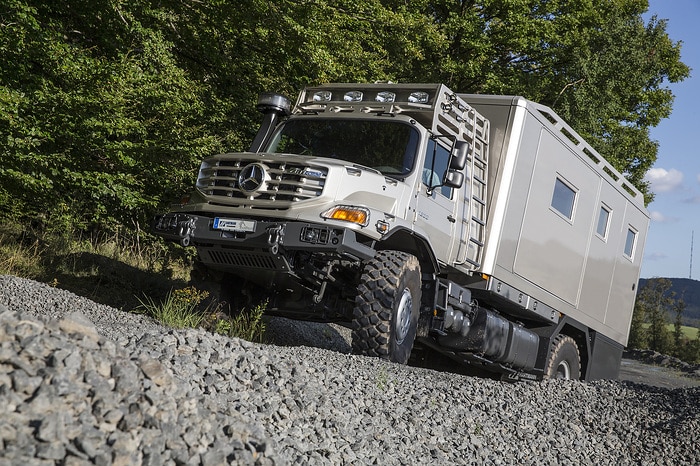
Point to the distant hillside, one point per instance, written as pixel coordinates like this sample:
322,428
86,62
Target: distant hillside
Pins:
689,291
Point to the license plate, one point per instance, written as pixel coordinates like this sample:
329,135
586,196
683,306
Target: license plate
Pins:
231,224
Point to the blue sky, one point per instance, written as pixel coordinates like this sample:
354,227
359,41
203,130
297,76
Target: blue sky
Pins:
675,177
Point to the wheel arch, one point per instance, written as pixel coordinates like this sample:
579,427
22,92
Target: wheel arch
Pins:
571,328
405,240
580,335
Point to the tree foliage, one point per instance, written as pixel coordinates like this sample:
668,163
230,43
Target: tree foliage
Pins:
638,333
678,343
654,301
107,106
649,329
98,118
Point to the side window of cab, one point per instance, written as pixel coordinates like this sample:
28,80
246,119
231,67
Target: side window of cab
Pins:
437,158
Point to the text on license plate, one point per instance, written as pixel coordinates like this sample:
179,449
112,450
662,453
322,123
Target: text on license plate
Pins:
230,224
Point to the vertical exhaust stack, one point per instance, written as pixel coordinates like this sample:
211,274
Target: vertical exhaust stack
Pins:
274,107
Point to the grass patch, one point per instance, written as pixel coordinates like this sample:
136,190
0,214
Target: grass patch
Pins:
19,258
179,309
109,269
189,308
247,324
689,333
382,378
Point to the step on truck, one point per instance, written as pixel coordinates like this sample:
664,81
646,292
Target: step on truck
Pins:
480,227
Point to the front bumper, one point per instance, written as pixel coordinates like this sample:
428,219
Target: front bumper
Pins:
266,237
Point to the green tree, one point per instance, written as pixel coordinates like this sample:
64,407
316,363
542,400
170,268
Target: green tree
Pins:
678,341
597,63
691,350
638,335
101,124
653,301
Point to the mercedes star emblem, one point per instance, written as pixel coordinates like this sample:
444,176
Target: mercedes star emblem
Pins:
251,178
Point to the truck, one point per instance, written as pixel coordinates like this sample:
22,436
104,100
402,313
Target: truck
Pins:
481,228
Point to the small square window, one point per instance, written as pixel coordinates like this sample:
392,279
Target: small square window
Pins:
603,220
630,242
563,199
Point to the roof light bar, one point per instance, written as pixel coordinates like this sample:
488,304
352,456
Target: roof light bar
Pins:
419,97
322,96
385,97
353,96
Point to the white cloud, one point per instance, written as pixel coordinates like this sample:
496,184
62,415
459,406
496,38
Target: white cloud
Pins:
658,217
655,256
663,180
692,200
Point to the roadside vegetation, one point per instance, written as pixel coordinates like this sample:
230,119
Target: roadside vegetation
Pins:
133,274
657,323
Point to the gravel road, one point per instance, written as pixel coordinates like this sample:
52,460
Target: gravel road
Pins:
633,370
83,383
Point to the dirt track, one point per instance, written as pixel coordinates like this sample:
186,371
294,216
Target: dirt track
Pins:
657,376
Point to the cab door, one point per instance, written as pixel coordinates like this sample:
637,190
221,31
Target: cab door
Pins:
435,206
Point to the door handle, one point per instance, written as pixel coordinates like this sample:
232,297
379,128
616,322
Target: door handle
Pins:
451,219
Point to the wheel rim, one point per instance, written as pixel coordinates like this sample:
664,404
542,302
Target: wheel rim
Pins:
403,316
564,370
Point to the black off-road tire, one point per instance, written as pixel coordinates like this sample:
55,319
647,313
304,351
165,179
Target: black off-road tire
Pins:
564,359
387,305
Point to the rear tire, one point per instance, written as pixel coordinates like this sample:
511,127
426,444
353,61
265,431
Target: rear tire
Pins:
564,359
387,305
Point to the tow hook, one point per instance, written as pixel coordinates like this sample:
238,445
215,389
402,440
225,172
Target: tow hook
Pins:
185,231
274,238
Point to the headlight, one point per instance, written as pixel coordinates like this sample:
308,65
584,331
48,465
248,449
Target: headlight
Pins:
352,214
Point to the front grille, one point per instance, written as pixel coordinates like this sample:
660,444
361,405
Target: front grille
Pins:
283,182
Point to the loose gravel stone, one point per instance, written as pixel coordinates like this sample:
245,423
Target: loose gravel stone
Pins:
83,383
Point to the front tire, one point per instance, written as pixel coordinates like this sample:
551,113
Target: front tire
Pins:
387,305
564,359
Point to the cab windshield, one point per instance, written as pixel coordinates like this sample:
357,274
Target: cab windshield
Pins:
387,146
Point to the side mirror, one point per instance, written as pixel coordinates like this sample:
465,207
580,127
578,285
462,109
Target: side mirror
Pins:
454,179
458,158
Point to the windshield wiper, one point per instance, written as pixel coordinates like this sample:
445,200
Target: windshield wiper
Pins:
364,167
